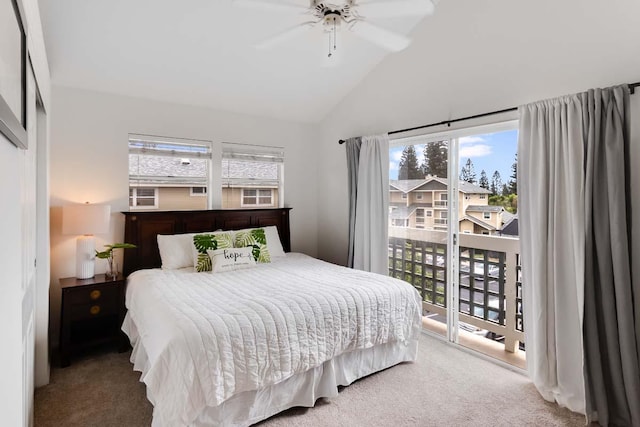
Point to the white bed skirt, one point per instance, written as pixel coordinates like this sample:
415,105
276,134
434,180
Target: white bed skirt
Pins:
303,389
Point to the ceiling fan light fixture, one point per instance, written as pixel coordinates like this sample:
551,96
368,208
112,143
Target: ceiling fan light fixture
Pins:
353,13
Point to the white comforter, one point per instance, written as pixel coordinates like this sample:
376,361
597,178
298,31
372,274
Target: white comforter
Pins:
210,336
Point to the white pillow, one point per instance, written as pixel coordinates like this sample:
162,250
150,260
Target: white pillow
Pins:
273,242
231,259
176,250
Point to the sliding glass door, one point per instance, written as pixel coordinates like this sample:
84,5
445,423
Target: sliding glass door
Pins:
453,234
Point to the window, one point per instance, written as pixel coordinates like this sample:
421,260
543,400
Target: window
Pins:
483,196
165,172
256,197
443,196
486,215
143,197
429,213
198,191
404,196
419,216
486,233
252,176
419,196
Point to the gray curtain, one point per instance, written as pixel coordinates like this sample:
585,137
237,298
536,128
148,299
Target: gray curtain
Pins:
612,305
353,159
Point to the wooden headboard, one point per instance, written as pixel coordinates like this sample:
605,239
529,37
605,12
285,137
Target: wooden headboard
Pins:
142,229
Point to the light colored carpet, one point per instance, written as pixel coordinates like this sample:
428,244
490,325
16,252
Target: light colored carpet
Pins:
446,387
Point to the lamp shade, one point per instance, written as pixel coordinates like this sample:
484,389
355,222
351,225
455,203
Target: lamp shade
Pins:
85,219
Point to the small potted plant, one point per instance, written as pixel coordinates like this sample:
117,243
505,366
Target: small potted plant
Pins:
112,268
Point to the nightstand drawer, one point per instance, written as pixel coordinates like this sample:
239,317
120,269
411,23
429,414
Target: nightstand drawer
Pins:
93,310
103,294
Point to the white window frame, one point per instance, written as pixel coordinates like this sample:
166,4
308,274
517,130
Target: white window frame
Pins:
181,148
420,218
483,196
253,153
484,215
428,213
257,196
418,196
134,196
194,194
404,196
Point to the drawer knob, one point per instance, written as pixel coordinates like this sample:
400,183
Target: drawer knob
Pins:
95,309
95,294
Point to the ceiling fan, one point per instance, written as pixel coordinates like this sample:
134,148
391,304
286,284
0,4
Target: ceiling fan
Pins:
352,14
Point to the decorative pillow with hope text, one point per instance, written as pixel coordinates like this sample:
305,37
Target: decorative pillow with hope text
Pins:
254,238
209,241
231,259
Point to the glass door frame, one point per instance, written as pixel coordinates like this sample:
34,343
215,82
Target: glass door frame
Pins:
452,260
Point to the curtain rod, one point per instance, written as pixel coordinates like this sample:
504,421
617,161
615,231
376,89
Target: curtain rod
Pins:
632,90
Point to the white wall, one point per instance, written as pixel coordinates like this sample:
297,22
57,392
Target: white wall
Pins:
475,56
89,162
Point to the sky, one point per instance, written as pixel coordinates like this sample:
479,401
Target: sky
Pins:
491,152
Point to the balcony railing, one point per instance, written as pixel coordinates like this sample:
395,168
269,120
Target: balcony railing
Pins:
440,221
489,278
440,203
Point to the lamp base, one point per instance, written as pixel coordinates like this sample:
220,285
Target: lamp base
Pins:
85,257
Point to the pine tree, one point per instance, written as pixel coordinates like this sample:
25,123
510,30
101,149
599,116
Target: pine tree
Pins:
468,173
513,182
435,159
484,181
408,167
505,190
496,183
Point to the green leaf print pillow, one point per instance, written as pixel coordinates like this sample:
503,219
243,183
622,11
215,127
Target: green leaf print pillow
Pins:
255,238
209,241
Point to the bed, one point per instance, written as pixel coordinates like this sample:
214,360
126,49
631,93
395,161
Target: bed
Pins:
237,347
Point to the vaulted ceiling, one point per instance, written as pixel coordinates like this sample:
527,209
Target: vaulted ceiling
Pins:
201,52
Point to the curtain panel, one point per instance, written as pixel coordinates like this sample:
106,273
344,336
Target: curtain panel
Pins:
368,203
352,146
580,306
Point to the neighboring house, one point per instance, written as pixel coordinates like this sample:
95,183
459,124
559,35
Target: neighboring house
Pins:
169,183
423,203
510,228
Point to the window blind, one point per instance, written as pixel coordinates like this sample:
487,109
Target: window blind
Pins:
251,165
161,161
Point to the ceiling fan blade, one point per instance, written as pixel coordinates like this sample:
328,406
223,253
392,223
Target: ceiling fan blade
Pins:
271,5
285,35
387,39
389,9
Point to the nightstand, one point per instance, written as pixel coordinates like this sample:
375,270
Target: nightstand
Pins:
92,313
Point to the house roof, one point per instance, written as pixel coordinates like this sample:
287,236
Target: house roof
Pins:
434,183
484,208
511,227
478,222
174,171
507,216
402,212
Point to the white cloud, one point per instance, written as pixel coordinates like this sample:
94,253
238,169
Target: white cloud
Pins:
393,166
479,150
471,139
396,155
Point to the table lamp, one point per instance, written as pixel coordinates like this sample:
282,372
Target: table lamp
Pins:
85,220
